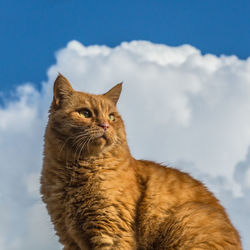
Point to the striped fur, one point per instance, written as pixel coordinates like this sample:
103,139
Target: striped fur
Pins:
100,197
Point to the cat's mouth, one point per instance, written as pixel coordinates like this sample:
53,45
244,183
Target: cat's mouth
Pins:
102,138
101,135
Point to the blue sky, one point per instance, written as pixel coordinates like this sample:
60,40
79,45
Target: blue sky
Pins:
193,98
31,31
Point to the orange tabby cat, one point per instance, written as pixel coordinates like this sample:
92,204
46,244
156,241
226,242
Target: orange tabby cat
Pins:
100,197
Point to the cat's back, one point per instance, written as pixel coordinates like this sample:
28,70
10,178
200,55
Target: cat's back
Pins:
181,212
172,182
166,189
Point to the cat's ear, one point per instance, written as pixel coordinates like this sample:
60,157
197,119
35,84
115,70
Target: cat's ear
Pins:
114,93
62,90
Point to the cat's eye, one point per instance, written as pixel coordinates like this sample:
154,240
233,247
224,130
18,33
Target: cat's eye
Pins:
111,117
85,112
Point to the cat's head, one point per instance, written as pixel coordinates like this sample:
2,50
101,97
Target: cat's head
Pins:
85,124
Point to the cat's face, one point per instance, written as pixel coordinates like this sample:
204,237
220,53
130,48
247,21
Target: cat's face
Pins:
86,124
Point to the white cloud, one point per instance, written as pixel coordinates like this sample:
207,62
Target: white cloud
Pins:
180,107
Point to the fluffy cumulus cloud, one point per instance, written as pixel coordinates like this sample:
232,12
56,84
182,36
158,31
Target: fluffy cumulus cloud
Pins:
180,107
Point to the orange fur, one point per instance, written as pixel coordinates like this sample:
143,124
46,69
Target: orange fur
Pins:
100,197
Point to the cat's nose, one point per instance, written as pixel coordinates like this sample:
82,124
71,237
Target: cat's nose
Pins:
104,125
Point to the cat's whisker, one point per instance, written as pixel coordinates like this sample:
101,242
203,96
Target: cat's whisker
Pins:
77,145
88,141
81,141
82,148
65,142
63,145
79,138
88,131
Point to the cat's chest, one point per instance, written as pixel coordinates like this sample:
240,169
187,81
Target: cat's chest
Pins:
99,184
89,181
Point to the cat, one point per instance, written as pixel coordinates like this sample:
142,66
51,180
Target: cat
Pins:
100,197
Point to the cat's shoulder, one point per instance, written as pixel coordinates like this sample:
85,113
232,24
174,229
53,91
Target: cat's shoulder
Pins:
160,171
160,167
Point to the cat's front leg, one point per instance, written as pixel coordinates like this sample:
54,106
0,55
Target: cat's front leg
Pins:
109,232
107,242
101,232
102,241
